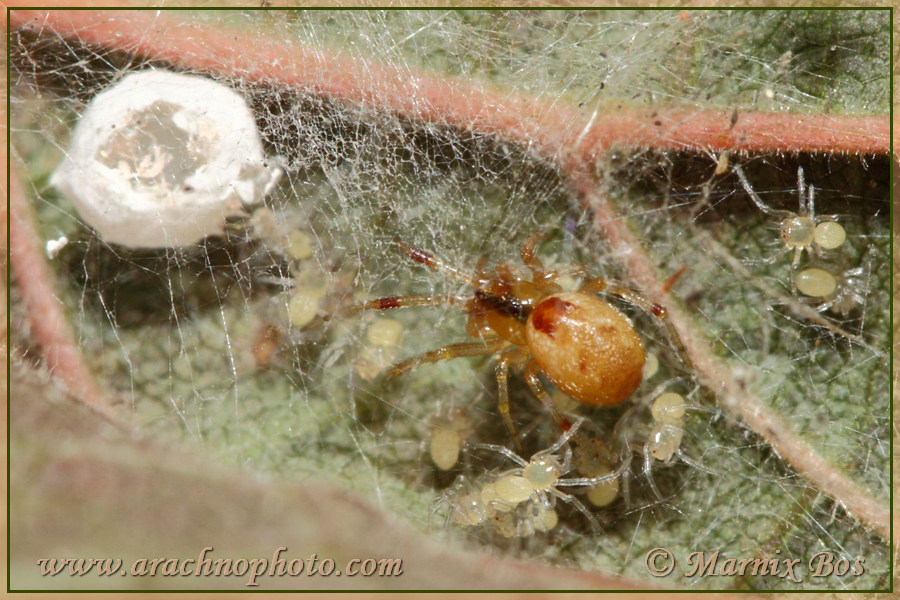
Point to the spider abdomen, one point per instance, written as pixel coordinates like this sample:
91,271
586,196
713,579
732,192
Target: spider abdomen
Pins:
587,347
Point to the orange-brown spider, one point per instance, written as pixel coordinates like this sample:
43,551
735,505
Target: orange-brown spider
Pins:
588,348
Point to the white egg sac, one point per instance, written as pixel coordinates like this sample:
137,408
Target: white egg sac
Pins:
161,159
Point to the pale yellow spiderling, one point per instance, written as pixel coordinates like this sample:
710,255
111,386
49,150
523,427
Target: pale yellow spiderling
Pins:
665,437
668,408
476,507
307,287
593,465
662,443
448,434
493,501
816,282
722,163
299,244
507,506
829,235
536,517
302,307
651,365
444,448
311,279
514,489
603,494
468,510
384,332
839,290
383,337
542,472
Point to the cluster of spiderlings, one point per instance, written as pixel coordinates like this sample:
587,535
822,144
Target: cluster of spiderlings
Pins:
306,284
522,501
820,278
309,284
505,507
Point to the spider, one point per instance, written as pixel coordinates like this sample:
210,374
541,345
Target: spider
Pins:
840,290
663,441
801,230
585,346
665,437
448,436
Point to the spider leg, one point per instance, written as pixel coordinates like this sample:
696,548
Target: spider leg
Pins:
528,257
513,357
693,463
446,352
579,506
505,452
540,274
636,298
398,302
764,261
781,214
625,486
597,479
537,388
648,460
798,252
432,262
572,270
807,203
564,439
